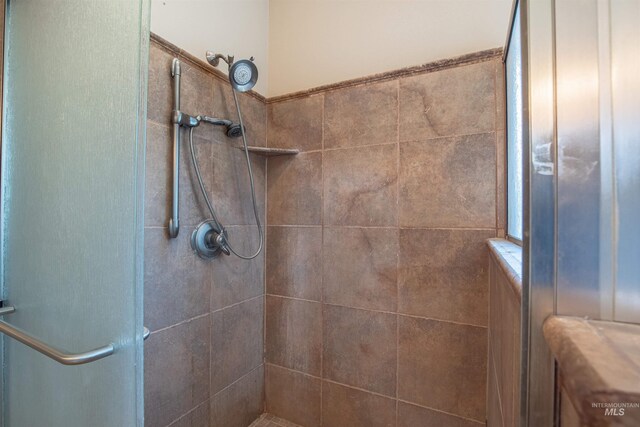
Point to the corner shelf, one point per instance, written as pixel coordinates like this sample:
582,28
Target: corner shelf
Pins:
271,152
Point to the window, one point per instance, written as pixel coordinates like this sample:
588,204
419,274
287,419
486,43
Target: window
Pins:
513,74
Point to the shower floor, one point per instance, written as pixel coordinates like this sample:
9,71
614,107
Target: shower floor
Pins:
268,420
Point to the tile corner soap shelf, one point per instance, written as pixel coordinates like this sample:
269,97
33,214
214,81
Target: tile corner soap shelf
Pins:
271,152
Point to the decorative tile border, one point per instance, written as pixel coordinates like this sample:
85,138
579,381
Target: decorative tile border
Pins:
471,58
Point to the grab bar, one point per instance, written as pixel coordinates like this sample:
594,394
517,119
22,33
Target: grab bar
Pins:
174,221
52,352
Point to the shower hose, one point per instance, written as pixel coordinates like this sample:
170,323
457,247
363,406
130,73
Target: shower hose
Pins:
253,191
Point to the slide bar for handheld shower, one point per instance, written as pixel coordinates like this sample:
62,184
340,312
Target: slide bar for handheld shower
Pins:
174,221
178,118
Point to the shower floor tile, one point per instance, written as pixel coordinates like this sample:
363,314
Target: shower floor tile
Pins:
268,420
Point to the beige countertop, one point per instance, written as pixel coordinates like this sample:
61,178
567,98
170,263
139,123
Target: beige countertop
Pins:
599,365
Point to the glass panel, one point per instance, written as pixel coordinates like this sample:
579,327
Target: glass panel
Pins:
514,130
71,208
625,67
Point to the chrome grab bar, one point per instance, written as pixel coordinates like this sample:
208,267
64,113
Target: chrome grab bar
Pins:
174,221
52,352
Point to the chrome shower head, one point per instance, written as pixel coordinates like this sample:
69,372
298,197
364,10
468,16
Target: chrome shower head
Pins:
243,75
234,131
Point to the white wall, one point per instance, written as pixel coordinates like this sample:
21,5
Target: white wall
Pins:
300,44
237,27
315,42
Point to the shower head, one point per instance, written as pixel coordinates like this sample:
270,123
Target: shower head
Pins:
243,75
234,131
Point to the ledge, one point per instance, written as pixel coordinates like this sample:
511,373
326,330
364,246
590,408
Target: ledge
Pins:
271,152
599,364
508,255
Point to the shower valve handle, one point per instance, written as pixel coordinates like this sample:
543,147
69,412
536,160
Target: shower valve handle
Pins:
215,240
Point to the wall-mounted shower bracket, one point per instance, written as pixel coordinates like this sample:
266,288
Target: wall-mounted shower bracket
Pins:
183,119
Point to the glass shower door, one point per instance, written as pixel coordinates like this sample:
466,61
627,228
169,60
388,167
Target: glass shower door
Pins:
72,179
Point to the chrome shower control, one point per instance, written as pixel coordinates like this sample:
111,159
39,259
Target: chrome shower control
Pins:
208,240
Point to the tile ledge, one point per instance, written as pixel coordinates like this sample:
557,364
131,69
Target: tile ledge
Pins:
598,363
270,152
508,255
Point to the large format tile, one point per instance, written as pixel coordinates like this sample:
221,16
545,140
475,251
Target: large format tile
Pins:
294,262
230,186
296,123
415,416
294,189
294,334
345,406
254,113
455,101
362,115
241,403
160,93
235,279
176,281
501,97
443,274
494,408
360,186
293,396
501,177
176,371
159,176
448,182
443,366
359,348
236,342
359,267
196,97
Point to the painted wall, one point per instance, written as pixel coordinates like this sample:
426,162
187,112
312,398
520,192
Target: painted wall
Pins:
312,43
300,44
237,27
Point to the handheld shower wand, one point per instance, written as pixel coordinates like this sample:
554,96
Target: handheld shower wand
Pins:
210,237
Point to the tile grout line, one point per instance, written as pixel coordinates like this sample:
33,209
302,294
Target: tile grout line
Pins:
264,261
398,253
375,227
451,136
495,126
322,214
236,381
235,304
412,316
190,411
180,323
363,390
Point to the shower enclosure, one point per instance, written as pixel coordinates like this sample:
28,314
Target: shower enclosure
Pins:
72,207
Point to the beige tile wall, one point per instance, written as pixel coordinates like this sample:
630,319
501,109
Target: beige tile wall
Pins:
204,359
377,270
503,403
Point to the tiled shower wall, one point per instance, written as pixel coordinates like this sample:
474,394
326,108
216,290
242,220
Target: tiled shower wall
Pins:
204,359
377,296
